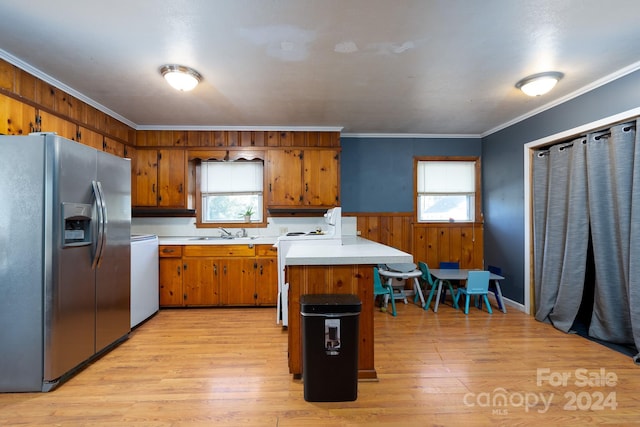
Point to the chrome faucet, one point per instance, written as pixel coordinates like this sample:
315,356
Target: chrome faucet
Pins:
225,233
242,233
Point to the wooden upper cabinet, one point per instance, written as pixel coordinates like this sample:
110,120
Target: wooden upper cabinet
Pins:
7,76
52,123
284,177
159,178
144,181
90,138
114,147
172,178
17,117
321,178
303,178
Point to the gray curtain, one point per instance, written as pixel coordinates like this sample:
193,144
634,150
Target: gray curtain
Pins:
563,238
590,185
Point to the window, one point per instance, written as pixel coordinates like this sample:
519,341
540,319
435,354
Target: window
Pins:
447,190
228,190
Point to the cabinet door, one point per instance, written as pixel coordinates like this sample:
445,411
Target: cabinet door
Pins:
284,178
171,282
200,281
266,281
90,138
145,178
17,118
321,178
237,283
171,178
51,123
113,147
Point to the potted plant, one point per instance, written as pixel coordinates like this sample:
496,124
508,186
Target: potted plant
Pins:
247,214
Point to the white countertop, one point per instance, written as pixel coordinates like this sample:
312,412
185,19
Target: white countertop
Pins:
354,250
195,240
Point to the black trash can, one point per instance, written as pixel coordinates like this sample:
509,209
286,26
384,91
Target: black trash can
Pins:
330,324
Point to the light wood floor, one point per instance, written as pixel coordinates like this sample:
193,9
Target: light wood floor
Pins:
211,367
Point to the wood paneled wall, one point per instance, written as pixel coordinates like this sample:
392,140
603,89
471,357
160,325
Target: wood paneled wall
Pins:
29,104
30,90
431,243
231,139
462,243
391,229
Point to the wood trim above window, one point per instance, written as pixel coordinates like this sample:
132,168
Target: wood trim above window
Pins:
231,155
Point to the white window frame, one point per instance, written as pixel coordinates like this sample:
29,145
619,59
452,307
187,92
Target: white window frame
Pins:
444,187
225,186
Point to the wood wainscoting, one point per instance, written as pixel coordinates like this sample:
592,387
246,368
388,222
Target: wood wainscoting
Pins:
431,243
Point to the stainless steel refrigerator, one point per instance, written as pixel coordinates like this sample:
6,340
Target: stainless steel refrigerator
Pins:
65,225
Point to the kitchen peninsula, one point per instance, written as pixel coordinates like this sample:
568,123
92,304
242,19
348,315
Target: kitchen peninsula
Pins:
337,269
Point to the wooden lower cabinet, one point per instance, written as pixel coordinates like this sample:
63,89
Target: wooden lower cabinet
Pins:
266,288
332,279
200,281
238,281
170,276
228,275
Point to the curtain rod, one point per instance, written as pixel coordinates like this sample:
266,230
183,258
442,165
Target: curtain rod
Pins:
606,131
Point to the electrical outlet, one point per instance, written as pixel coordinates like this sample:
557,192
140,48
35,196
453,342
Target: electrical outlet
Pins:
283,230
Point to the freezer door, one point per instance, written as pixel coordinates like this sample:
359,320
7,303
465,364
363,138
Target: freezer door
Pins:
113,272
69,279
21,262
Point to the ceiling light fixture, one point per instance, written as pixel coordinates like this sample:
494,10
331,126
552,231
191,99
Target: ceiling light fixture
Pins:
180,77
539,84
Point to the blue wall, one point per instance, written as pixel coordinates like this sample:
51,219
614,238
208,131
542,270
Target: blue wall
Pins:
376,174
503,170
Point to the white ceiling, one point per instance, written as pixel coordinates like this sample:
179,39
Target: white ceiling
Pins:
366,66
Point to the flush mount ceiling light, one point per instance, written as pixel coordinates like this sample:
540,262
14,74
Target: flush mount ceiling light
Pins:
539,84
180,77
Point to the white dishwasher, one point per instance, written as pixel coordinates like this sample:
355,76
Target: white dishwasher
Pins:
145,296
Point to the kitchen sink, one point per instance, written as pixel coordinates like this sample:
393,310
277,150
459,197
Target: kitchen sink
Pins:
223,238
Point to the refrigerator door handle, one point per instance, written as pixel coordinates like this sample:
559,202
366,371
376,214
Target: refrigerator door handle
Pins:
105,223
99,241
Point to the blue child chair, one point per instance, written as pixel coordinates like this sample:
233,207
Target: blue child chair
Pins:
429,284
494,287
449,265
478,286
380,288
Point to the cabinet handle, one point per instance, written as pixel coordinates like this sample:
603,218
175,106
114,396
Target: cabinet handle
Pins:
168,251
180,189
224,270
153,188
306,187
215,269
178,270
261,270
